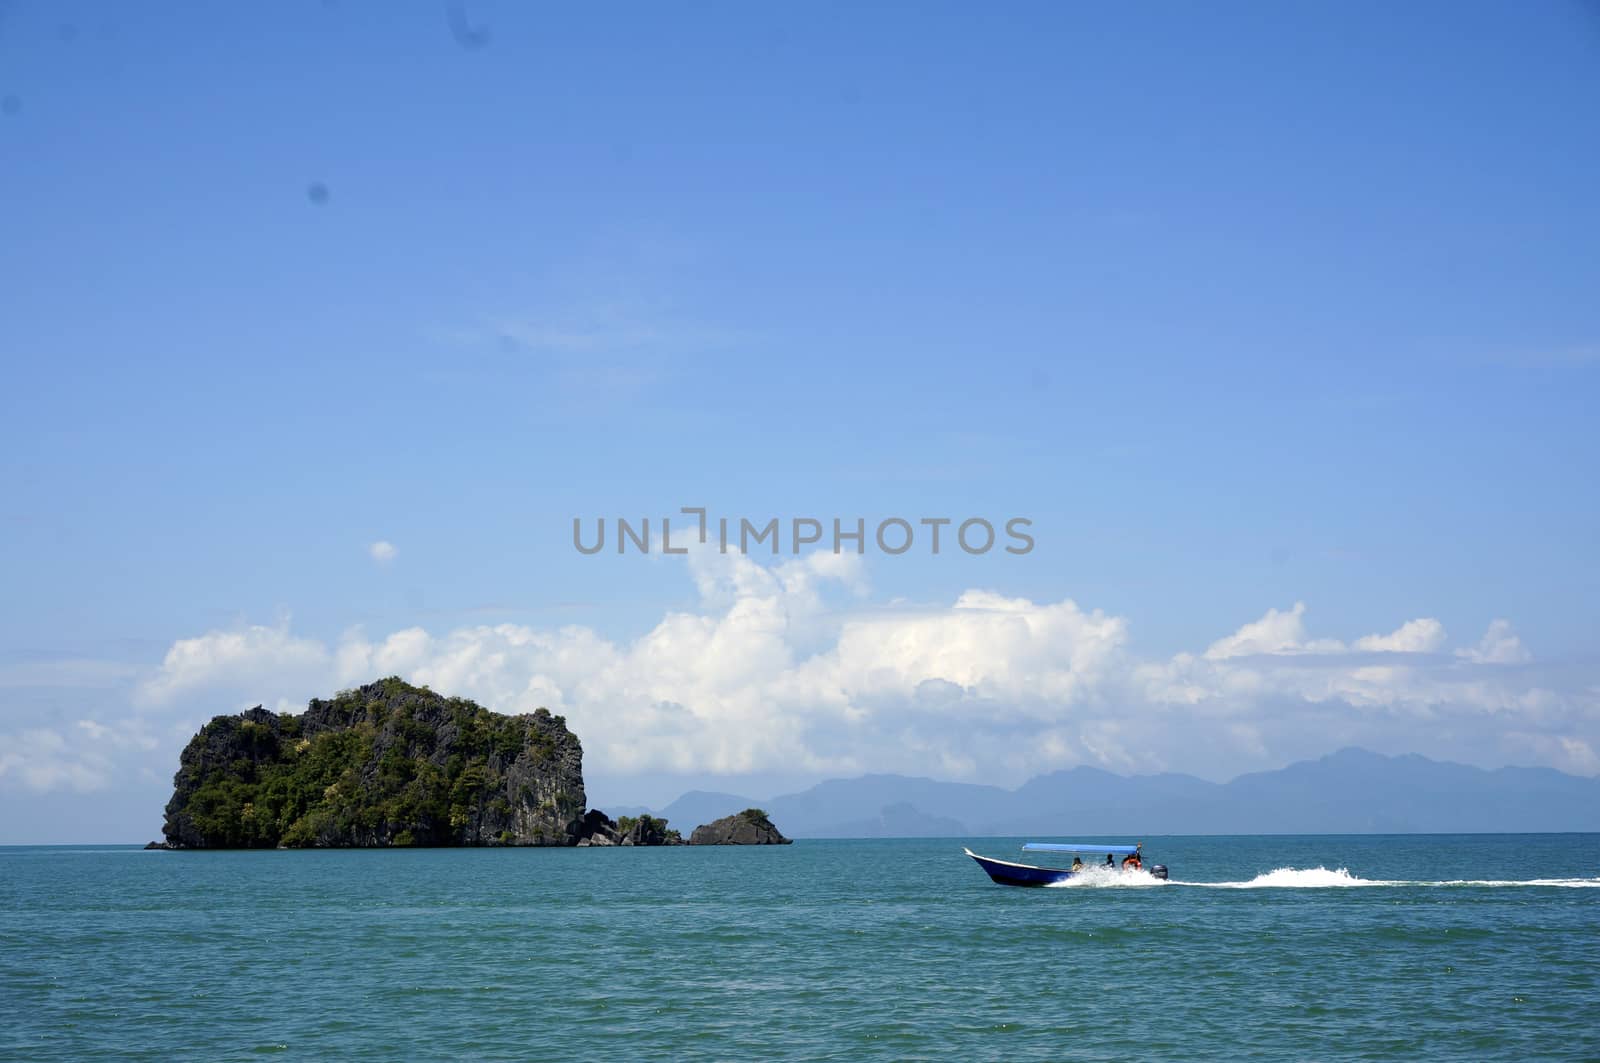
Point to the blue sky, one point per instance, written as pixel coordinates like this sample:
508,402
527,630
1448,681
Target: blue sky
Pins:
1243,306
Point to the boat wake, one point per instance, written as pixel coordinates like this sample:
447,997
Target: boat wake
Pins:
1341,878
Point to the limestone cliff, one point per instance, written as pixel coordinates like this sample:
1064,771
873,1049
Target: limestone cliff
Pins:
388,764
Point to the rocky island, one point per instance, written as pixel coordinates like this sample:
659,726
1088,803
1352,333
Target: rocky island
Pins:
391,764
750,827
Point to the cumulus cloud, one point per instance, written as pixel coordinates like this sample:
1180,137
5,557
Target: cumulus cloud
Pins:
1284,633
383,551
769,673
1277,632
249,657
1499,645
1414,636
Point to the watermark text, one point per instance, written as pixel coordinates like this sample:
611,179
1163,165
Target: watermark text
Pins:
892,536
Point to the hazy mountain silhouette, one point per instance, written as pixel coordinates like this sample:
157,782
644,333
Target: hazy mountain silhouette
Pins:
1352,791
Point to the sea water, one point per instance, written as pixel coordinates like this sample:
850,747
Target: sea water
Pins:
1460,947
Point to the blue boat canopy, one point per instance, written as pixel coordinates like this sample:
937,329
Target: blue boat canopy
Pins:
1080,847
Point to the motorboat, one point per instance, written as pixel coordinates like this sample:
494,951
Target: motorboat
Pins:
1009,873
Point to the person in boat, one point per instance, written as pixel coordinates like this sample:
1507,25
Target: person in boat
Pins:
1111,865
1077,863
1131,862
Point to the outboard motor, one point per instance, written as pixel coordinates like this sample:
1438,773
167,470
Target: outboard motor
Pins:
1158,871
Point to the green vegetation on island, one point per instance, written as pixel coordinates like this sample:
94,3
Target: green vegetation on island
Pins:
395,765
388,764
646,830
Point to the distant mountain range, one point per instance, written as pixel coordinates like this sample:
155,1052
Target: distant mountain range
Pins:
1352,791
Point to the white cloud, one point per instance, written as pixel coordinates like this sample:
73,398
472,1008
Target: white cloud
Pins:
1499,645
383,551
85,759
1284,633
1414,636
769,674
1277,632
42,760
119,734
251,657
1008,650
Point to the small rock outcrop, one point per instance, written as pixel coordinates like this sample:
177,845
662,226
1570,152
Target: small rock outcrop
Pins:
750,827
598,828
388,764
647,830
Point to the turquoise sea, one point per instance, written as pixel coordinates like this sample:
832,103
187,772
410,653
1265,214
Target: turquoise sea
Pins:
1433,947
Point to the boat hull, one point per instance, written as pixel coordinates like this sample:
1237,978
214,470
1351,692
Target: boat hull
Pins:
1009,874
